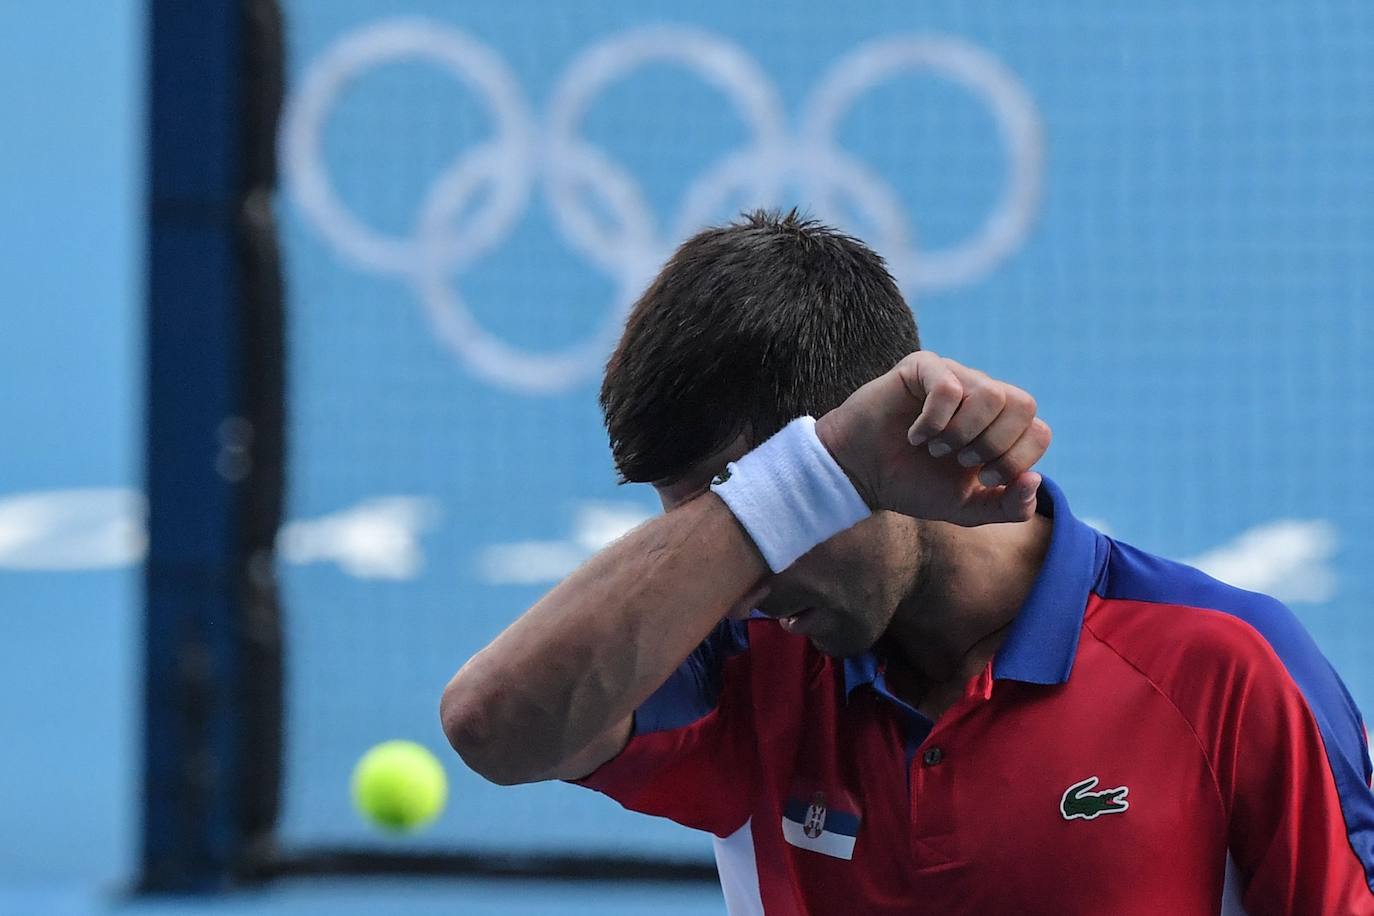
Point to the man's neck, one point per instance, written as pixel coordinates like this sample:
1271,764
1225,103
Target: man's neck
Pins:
970,587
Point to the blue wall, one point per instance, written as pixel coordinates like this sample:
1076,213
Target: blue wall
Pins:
1188,299
70,340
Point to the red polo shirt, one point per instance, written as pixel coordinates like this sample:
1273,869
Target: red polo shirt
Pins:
1147,740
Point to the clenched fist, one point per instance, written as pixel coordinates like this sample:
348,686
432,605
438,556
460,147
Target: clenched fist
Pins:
936,440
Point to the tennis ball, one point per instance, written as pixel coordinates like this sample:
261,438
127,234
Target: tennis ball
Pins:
399,785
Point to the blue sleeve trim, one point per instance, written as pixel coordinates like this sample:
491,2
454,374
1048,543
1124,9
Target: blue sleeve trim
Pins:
1134,575
692,691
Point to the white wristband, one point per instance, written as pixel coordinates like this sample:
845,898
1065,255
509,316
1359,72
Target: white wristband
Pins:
790,494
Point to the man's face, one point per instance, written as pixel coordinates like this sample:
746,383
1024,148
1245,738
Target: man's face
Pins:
842,594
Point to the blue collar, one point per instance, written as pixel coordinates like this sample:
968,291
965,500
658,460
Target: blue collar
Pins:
1043,640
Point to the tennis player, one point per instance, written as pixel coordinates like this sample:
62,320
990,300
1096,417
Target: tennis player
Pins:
875,654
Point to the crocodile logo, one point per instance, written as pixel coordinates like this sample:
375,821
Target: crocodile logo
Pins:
1080,801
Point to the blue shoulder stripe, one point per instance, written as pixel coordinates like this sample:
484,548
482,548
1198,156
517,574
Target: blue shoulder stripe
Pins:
691,692
1134,575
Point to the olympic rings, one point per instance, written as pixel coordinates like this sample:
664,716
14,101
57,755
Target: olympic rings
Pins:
501,173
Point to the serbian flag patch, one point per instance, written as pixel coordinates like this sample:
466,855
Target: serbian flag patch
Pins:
817,824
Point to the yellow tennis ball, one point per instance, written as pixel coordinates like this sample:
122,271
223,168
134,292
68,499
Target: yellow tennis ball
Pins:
399,785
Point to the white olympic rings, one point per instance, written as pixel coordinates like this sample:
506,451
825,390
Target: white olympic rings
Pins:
625,241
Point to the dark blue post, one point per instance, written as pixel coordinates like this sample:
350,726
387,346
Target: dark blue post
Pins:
213,448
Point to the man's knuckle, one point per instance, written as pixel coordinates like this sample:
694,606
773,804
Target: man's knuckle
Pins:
948,386
1021,400
989,397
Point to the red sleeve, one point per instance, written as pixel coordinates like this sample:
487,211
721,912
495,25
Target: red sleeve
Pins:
1298,809
690,755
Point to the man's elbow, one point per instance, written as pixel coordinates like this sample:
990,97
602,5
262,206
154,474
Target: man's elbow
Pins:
470,725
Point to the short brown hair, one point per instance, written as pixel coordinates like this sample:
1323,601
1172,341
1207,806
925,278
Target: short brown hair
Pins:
747,326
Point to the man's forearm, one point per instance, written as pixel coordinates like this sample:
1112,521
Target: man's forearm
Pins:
595,647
